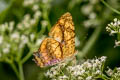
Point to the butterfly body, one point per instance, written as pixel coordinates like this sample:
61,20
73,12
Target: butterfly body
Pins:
60,45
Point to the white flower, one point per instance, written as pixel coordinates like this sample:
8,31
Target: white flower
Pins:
32,36
8,45
63,77
80,78
117,43
21,45
87,23
26,21
51,73
88,70
28,2
77,42
114,27
94,1
45,1
87,9
87,64
54,79
98,72
113,32
35,7
39,40
89,78
26,24
27,17
15,36
115,19
11,25
92,15
63,64
6,50
1,39
109,72
32,21
44,23
114,74
6,25
3,27
20,26
24,39
37,14
118,69
47,73
103,58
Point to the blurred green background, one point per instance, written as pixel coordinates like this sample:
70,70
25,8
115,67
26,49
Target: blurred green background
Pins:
88,16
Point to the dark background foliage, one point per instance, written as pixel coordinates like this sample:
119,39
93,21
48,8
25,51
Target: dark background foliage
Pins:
102,46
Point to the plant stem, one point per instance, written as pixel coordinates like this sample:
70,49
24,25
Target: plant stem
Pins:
26,57
45,16
14,69
29,54
41,32
21,71
11,63
104,77
114,10
91,41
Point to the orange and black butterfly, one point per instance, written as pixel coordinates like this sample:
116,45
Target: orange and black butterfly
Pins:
59,45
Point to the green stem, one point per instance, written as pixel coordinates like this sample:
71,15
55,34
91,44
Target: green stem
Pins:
91,41
14,69
104,77
49,25
26,57
118,36
114,10
21,71
45,16
29,54
10,62
41,32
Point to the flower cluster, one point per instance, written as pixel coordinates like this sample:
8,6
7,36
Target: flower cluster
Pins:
17,36
54,72
114,28
30,2
88,70
24,36
14,37
89,10
114,74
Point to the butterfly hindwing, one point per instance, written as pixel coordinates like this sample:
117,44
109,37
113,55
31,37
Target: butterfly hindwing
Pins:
49,52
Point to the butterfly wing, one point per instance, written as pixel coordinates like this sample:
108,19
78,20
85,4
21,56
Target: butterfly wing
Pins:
49,53
64,32
60,45
56,33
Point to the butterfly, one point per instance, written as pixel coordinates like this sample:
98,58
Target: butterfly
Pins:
59,45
